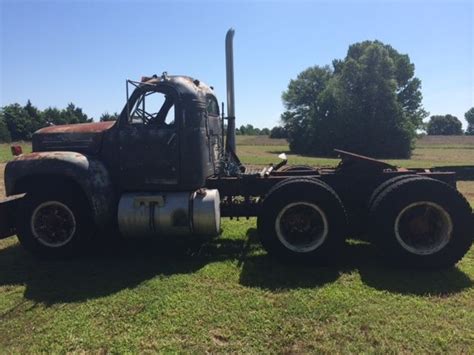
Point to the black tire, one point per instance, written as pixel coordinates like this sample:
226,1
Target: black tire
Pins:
422,223
384,185
54,223
362,231
288,168
294,207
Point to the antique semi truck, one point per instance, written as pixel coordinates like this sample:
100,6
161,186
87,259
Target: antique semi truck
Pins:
166,167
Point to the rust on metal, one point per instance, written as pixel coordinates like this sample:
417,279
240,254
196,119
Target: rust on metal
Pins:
93,127
349,156
73,157
88,173
84,138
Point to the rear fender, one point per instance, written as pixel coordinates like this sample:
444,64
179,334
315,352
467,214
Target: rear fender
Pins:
90,174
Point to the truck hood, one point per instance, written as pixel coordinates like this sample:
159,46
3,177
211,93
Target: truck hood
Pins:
84,137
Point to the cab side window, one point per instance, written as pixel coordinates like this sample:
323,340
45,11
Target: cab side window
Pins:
212,106
154,108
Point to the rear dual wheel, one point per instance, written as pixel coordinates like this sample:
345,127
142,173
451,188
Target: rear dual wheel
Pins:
421,222
302,220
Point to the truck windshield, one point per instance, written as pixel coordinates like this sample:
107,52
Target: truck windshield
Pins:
153,108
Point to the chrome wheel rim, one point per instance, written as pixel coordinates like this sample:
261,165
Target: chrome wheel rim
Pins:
53,224
423,228
301,227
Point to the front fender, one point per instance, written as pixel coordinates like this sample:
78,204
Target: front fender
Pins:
90,174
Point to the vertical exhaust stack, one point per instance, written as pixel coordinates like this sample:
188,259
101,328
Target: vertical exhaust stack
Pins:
229,61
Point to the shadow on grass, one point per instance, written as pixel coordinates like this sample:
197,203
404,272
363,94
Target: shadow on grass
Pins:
262,271
99,273
130,263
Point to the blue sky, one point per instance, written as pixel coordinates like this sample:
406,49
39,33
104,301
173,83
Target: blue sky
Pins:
55,52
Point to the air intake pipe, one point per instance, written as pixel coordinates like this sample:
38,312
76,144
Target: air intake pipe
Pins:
229,60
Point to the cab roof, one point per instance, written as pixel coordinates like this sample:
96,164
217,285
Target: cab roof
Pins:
184,85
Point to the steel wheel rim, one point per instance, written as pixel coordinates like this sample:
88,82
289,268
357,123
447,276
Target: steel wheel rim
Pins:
53,224
423,228
301,226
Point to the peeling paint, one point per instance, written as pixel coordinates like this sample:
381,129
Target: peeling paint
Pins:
94,127
90,174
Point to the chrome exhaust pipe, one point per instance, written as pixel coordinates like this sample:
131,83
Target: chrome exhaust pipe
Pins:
229,60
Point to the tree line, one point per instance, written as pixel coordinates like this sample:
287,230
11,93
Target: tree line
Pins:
438,125
250,130
19,122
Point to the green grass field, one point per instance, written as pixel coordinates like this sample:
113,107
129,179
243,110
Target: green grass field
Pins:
229,296
429,152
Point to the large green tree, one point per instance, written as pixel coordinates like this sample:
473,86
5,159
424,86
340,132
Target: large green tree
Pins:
469,116
369,102
446,125
308,108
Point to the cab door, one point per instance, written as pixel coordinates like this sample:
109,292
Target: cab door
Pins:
149,147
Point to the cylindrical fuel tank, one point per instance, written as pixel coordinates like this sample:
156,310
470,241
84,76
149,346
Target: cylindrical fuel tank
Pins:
169,213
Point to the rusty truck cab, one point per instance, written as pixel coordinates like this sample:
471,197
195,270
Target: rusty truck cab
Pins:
169,135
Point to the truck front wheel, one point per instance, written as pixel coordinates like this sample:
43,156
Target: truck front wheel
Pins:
302,220
54,223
